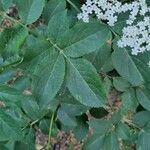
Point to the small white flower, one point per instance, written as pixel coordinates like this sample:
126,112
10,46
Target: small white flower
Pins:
136,34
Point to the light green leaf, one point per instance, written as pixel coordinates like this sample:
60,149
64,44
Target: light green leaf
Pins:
83,38
11,40
30,10
49,74
85,84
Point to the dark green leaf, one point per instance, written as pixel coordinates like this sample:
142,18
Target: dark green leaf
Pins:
85,84
83,39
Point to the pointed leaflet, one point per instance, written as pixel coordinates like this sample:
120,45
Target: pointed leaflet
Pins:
30,10
11,39
57,25
49,74
126,67
83,38
84,83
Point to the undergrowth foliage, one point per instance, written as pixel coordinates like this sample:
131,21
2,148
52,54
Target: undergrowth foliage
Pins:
58,73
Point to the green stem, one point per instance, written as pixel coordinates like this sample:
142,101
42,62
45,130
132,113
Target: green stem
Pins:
73,5
50,130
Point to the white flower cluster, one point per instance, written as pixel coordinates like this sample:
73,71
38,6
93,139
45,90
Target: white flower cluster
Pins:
137,37
136,34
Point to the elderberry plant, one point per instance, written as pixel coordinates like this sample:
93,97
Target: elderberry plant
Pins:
83,71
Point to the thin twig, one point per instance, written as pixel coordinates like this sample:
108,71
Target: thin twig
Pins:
50,130
73,5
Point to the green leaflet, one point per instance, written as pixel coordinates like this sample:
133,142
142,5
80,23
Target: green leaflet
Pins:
83,38
126,67
49,75
57,25
11,40
85,84
30,10
53,7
